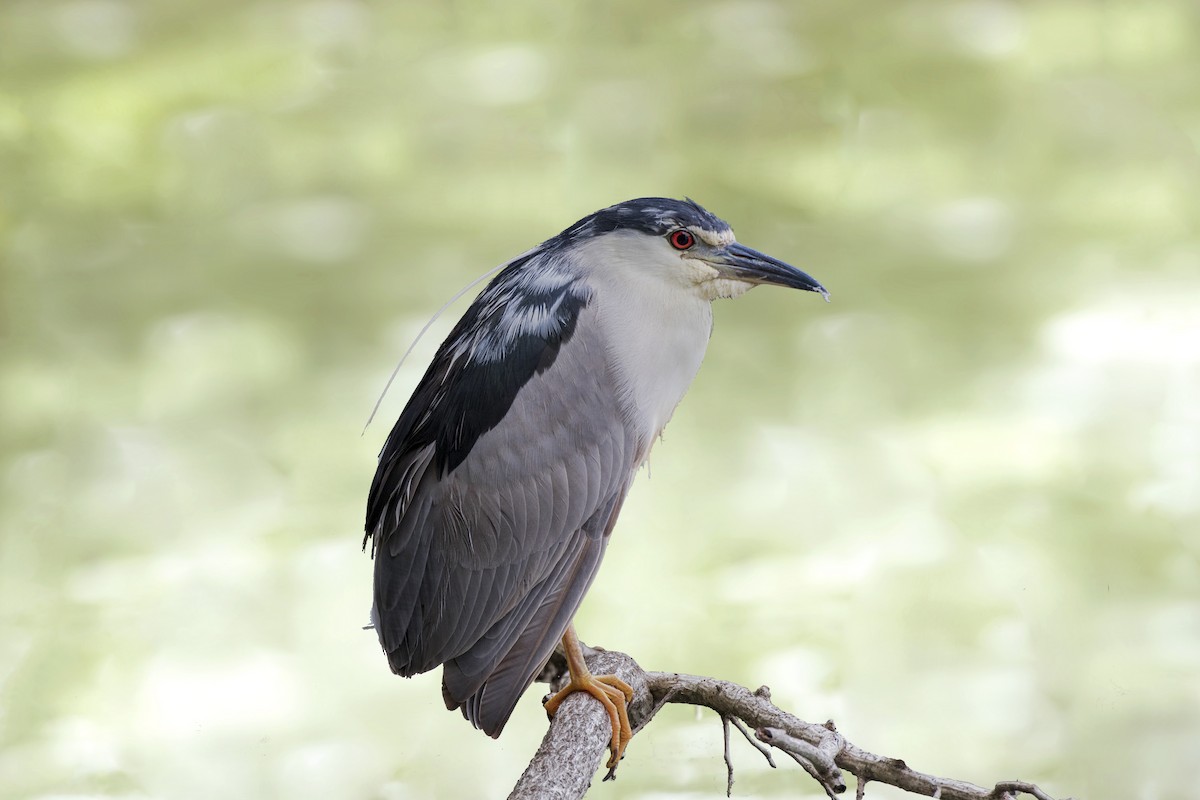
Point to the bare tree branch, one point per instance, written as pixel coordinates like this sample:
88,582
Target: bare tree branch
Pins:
728,758
570,752
766,751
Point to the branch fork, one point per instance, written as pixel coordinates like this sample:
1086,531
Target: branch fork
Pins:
570,753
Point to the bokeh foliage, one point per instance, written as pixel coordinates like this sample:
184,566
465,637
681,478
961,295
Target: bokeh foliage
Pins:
957,510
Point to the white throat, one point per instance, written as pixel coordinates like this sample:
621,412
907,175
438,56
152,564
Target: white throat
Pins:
656,328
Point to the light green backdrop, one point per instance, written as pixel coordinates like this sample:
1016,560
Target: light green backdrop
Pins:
957,510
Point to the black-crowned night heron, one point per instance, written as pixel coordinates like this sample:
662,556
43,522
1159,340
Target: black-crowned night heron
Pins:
499,485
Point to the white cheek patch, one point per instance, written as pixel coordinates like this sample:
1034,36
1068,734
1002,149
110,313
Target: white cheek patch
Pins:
698,271
709,283
724,288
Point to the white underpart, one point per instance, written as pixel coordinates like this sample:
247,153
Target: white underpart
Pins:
656,314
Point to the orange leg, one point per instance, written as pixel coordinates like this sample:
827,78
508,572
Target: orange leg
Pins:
612,692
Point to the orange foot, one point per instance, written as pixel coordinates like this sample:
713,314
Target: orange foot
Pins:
612,692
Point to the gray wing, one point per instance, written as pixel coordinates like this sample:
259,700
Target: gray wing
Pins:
481,566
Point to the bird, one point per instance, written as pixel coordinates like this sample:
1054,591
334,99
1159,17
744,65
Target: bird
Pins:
498,488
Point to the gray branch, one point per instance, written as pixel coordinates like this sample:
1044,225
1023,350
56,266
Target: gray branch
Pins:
579,734
571,751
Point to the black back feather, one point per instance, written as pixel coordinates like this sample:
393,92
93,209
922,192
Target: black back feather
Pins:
510,333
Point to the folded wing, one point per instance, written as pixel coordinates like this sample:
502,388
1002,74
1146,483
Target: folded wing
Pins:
496,492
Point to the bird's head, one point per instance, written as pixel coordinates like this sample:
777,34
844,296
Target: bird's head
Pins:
680,241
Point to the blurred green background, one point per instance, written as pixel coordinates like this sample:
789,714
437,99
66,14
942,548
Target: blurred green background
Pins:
957,510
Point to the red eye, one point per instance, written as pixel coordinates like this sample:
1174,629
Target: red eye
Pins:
682,240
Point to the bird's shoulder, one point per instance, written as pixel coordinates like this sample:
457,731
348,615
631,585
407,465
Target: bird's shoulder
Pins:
513,331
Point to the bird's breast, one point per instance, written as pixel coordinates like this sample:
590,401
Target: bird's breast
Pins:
655,340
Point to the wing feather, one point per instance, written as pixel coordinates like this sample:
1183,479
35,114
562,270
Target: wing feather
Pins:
488,696
483,555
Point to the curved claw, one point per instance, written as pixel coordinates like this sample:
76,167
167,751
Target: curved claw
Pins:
612,692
